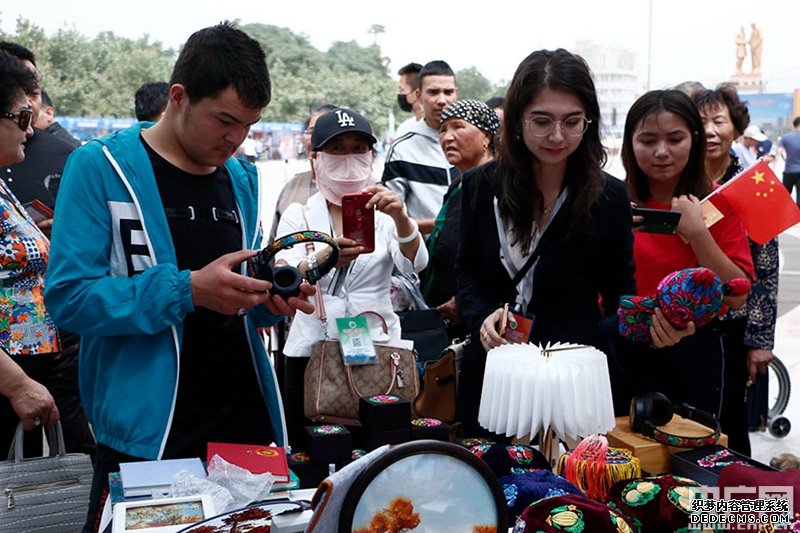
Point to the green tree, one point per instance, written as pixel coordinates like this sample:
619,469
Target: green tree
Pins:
98,76
472,84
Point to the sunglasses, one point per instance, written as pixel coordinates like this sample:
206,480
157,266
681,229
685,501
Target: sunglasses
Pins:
23,118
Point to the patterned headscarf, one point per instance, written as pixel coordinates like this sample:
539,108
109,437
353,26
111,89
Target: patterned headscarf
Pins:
475,112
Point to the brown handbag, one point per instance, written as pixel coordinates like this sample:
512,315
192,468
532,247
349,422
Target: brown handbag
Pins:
332,389
440,384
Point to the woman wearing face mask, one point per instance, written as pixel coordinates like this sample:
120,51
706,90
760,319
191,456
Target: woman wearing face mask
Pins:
342,157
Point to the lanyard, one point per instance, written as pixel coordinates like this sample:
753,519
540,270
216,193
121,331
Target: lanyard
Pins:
522,278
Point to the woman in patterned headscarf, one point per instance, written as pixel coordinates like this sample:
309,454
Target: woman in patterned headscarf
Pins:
466,135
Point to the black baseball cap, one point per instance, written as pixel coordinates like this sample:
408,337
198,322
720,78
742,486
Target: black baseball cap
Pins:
340,120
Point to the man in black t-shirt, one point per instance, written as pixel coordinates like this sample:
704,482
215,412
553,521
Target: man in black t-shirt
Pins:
170,356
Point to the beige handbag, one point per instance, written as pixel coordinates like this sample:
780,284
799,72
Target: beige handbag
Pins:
332,389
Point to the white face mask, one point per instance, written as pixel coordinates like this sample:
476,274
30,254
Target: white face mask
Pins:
342,174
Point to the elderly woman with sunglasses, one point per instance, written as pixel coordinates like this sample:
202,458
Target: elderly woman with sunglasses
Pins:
25,328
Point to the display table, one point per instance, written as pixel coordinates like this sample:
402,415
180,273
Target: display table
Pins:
654,456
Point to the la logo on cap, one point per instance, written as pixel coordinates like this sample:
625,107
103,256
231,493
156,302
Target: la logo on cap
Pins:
345,120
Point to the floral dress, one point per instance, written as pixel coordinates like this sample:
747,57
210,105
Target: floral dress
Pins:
25,326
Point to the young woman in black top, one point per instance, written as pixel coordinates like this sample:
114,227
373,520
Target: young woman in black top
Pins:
547,196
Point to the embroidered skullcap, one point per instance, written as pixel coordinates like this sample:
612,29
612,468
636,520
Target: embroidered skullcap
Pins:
572,513
660,504
475,112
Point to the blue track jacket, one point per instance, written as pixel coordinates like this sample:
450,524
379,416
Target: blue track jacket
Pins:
113,279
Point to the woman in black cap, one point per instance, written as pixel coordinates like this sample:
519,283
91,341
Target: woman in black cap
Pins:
342,157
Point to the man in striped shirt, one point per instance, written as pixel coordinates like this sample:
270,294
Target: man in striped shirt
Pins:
416,168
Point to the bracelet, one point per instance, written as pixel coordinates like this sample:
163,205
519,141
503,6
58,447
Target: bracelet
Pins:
409,238
311,261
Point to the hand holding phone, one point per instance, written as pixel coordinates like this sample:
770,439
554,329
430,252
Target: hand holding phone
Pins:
358,220
656,220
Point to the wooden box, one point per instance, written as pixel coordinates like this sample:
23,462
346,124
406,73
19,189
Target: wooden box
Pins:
654,456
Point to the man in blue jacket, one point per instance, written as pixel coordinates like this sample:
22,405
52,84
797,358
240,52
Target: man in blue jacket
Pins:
148,265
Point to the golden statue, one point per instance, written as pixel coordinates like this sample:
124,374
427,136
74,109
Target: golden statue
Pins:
756,44
741,50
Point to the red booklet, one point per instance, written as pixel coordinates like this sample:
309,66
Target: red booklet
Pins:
254,458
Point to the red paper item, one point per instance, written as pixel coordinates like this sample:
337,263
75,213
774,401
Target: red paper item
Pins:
255,458
761,201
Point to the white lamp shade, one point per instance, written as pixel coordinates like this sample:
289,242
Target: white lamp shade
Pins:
563,387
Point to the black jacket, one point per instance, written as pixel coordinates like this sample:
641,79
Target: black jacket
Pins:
574,269
38,175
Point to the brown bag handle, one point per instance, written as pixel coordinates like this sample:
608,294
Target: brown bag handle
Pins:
394,368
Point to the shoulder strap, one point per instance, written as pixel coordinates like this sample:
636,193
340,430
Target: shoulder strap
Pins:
531,260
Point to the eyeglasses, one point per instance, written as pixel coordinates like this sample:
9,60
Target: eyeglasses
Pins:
540,126
23,118
308,132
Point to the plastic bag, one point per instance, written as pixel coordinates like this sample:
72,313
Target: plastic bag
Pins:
184,483
244,486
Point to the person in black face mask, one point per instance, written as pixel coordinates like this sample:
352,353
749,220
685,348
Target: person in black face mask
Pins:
408,95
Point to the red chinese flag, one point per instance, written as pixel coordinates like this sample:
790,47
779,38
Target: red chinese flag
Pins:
761,201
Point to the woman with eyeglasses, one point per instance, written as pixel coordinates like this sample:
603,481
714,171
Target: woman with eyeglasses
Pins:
543,228
25,327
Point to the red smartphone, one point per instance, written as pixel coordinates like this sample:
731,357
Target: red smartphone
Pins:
358,221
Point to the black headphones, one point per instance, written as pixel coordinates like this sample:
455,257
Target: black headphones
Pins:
655,409
286,279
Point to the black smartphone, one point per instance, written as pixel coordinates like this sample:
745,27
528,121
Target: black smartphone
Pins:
657,220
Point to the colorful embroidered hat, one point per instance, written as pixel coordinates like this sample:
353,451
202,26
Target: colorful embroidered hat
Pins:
521,490
594,467
688,295
505,459
573,514
654,504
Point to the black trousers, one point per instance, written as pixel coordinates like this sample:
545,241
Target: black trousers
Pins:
734,399
294,369
790,181
59,373
106,460
707,370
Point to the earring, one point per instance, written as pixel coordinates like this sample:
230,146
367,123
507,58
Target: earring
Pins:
485,147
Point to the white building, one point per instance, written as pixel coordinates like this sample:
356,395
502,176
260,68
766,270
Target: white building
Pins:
616,81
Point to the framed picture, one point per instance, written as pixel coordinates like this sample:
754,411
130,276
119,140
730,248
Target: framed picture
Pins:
162,515
256,517
427,486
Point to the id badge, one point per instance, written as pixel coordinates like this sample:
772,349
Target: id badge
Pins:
517,328
355,341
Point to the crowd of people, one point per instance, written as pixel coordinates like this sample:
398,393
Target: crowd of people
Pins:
142,269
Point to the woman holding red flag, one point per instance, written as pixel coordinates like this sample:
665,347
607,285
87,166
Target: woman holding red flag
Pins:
750,331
